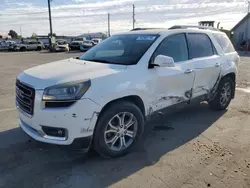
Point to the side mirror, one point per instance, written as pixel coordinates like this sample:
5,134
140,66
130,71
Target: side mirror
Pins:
163,61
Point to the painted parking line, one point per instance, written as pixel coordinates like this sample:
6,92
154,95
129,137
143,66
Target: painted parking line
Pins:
246,90
7,109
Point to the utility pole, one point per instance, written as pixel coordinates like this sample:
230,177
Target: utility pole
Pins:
248,10
133,16
108,25
50,24
21,33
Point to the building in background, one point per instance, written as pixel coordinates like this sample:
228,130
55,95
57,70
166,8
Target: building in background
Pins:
90,36
5,36
241,32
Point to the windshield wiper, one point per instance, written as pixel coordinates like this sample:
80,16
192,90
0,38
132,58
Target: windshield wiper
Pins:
102,61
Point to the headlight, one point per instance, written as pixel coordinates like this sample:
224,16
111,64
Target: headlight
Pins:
66,91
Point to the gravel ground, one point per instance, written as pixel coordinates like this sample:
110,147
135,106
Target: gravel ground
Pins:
201,148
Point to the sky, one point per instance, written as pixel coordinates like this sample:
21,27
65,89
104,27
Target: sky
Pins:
75,17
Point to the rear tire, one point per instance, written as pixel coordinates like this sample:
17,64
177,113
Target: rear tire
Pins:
118,130
224,94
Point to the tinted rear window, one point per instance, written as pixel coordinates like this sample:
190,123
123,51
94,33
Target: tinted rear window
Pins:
224,43
199,45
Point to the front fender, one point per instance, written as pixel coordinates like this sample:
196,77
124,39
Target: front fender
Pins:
129,88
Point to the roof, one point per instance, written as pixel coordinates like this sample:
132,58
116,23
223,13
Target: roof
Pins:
175,30
138,29
240,22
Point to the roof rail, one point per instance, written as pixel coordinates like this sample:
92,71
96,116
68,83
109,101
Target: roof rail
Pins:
193,26
138,29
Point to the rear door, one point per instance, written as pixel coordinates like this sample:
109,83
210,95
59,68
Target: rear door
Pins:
205,63
227,47
30,45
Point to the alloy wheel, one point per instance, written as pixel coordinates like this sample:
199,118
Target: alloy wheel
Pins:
121,131
226,93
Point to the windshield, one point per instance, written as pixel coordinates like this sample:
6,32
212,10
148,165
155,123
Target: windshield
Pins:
87,42
121,49
61,42
78,39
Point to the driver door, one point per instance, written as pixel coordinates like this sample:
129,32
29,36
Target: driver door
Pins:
172,85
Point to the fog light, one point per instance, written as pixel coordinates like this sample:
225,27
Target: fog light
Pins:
59,132
53,131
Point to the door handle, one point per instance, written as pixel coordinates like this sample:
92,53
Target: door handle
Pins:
188,71
217,65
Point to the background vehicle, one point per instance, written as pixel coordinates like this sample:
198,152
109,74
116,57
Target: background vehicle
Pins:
96,41
86,45
104,97
7,45
61,46
75,44
29,45
46,45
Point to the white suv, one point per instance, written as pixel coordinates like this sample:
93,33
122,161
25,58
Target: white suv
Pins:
104,98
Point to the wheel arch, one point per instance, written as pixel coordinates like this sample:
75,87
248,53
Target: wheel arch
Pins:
131,98
231,75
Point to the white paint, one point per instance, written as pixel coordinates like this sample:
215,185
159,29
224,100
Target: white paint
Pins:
246,90
158,87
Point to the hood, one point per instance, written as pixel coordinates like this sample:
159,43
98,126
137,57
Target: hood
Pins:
77,41
62,45
68,70
88,45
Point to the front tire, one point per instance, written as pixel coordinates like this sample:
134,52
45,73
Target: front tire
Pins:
224,94
39,48
118,129
22,49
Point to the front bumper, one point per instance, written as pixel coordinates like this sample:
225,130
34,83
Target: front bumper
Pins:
78,120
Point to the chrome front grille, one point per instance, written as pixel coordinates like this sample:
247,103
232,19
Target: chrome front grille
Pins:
25,96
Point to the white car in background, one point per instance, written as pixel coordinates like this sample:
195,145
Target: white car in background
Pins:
104,98
61,46
75,44
86,45
96,41
29,45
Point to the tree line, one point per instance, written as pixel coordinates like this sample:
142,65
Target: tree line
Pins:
14,35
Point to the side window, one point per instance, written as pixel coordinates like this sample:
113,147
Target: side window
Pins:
174,46
33,42
199,45
224,43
